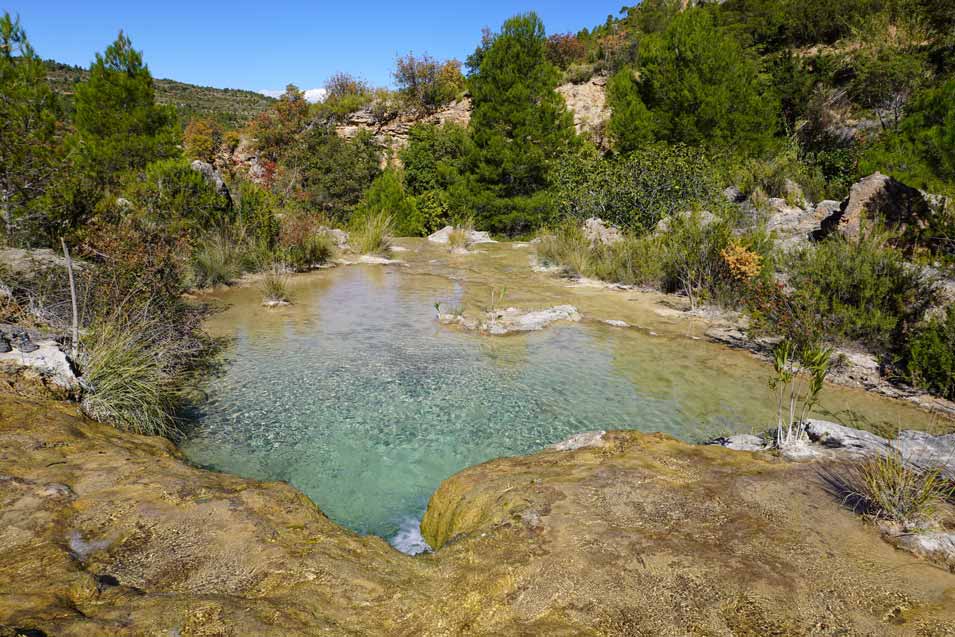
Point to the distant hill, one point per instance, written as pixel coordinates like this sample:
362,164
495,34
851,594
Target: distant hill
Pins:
230,107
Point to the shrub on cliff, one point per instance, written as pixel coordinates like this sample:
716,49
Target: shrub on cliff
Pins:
427,84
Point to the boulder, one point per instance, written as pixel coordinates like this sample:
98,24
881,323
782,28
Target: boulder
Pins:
213,177
734,195
340,237
854,442
792,226
40,361
878,198
598,232
474,236
705,217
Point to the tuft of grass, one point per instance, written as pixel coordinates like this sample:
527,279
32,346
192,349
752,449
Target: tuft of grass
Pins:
215,261
374,234
460,235
275,286
126,383
889,488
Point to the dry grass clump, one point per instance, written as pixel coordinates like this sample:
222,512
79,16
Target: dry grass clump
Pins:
275,286
889,488
373,234
460,237
127,382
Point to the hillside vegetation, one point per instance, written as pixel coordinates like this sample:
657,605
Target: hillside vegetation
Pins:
230,107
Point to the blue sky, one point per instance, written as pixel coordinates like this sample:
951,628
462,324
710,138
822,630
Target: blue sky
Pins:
267,44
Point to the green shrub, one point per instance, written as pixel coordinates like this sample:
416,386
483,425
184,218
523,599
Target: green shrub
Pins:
171,193
387,196
275,285
373,234
929,356
861,291
254,211
692,261
636,191
697,85
302,243
125,381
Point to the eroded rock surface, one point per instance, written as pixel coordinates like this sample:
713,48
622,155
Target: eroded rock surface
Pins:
107,533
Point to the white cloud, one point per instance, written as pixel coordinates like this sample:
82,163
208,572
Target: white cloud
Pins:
311,94
315,94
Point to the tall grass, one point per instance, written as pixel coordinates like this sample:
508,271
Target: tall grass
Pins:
126,381
631,261
217,260
889,488
275,286
373,235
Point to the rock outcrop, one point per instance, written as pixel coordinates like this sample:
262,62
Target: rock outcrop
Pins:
588,103
597,231
212,176
882,199
108,533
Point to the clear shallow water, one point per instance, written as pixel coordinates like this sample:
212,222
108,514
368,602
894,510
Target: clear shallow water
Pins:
357,397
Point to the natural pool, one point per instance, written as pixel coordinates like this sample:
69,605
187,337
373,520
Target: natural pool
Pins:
360,399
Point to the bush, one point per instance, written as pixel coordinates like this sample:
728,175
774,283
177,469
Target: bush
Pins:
171,193
275,286
254,212
692,260
929,356
630,261
636,191
427,84
696,86
202,139
373,234
861,291
387,195
302,243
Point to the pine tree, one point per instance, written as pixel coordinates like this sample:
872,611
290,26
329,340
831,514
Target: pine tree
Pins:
697,86
28,126
519,122
119,126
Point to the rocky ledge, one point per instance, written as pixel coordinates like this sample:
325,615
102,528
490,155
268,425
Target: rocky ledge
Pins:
501,322
622,533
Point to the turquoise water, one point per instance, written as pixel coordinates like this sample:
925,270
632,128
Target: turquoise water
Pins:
359,398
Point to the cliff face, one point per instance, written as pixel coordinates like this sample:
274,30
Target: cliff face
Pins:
587,101
107,533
